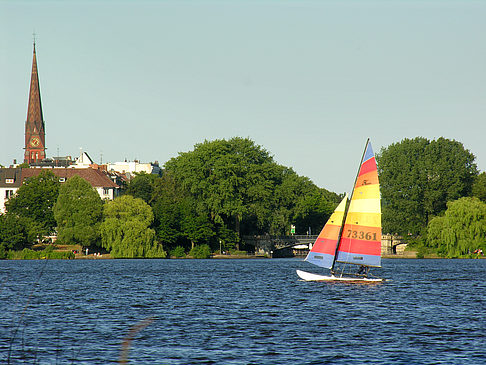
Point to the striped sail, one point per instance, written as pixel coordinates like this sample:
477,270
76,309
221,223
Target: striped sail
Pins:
324,249
361,237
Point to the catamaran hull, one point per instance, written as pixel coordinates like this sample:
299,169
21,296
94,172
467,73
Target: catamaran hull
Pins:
307,276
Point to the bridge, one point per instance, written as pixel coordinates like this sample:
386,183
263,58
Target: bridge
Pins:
298,245
281,246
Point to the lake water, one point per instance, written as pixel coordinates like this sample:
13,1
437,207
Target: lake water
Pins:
240,312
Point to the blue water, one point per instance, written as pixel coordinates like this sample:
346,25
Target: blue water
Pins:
240,312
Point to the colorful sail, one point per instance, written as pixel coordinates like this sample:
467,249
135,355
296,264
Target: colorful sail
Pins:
324,249
361,237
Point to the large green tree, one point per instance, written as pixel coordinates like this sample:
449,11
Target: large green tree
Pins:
34,201
417,179
126,231
461,230
227,178
236,185
78,212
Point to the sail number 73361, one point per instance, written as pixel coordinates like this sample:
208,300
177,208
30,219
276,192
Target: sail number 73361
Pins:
361,235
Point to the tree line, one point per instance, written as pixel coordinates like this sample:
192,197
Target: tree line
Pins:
209,198
206,199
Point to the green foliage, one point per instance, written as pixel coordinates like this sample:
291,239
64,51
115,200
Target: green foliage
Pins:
461,230
228,179
418,177
168,208
78,212
235,185
125,230
479,187
178,252
47,253
227,237
200,252
34,201
197,229
298,201
142,186
16,232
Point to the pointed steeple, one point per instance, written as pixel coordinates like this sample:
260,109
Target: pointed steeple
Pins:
34,126
34,113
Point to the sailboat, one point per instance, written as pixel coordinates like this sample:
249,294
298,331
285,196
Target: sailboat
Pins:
352,235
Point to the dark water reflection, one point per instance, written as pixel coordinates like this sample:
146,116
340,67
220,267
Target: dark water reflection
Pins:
240,312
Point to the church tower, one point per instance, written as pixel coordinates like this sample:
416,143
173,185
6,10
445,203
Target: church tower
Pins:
35,135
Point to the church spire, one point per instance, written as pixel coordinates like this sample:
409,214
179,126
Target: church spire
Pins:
34,126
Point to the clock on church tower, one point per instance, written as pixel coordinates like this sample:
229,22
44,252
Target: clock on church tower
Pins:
35,136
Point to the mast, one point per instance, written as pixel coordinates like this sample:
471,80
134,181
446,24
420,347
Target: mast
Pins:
347,208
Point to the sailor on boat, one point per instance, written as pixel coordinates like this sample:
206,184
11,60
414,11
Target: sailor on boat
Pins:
363,271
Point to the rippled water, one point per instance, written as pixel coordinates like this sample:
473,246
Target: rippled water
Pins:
240,312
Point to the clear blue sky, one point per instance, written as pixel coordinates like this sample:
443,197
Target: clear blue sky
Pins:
307,80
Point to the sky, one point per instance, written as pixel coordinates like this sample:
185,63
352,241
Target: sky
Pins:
309,81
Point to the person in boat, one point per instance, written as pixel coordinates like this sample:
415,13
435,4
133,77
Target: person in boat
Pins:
363,270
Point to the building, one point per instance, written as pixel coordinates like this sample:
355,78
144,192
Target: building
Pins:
35,134
106,188
133,167
10,181
83,161
12,178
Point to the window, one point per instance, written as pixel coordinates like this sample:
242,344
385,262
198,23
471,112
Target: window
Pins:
106,191
9,194
62,179
9,181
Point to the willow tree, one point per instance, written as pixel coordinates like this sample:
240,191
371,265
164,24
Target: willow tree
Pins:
126,231
78,213
461,230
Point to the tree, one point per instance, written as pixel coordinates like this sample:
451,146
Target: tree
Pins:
236,185
479,187
125,230
177,221
15,233
34,201
298,201
78,212
167,209
142,186
461,230
227,179
418,178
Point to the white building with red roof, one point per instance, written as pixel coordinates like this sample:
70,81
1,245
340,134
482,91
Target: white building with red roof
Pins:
12,178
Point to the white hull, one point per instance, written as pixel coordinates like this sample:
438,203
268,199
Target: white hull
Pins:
307,276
